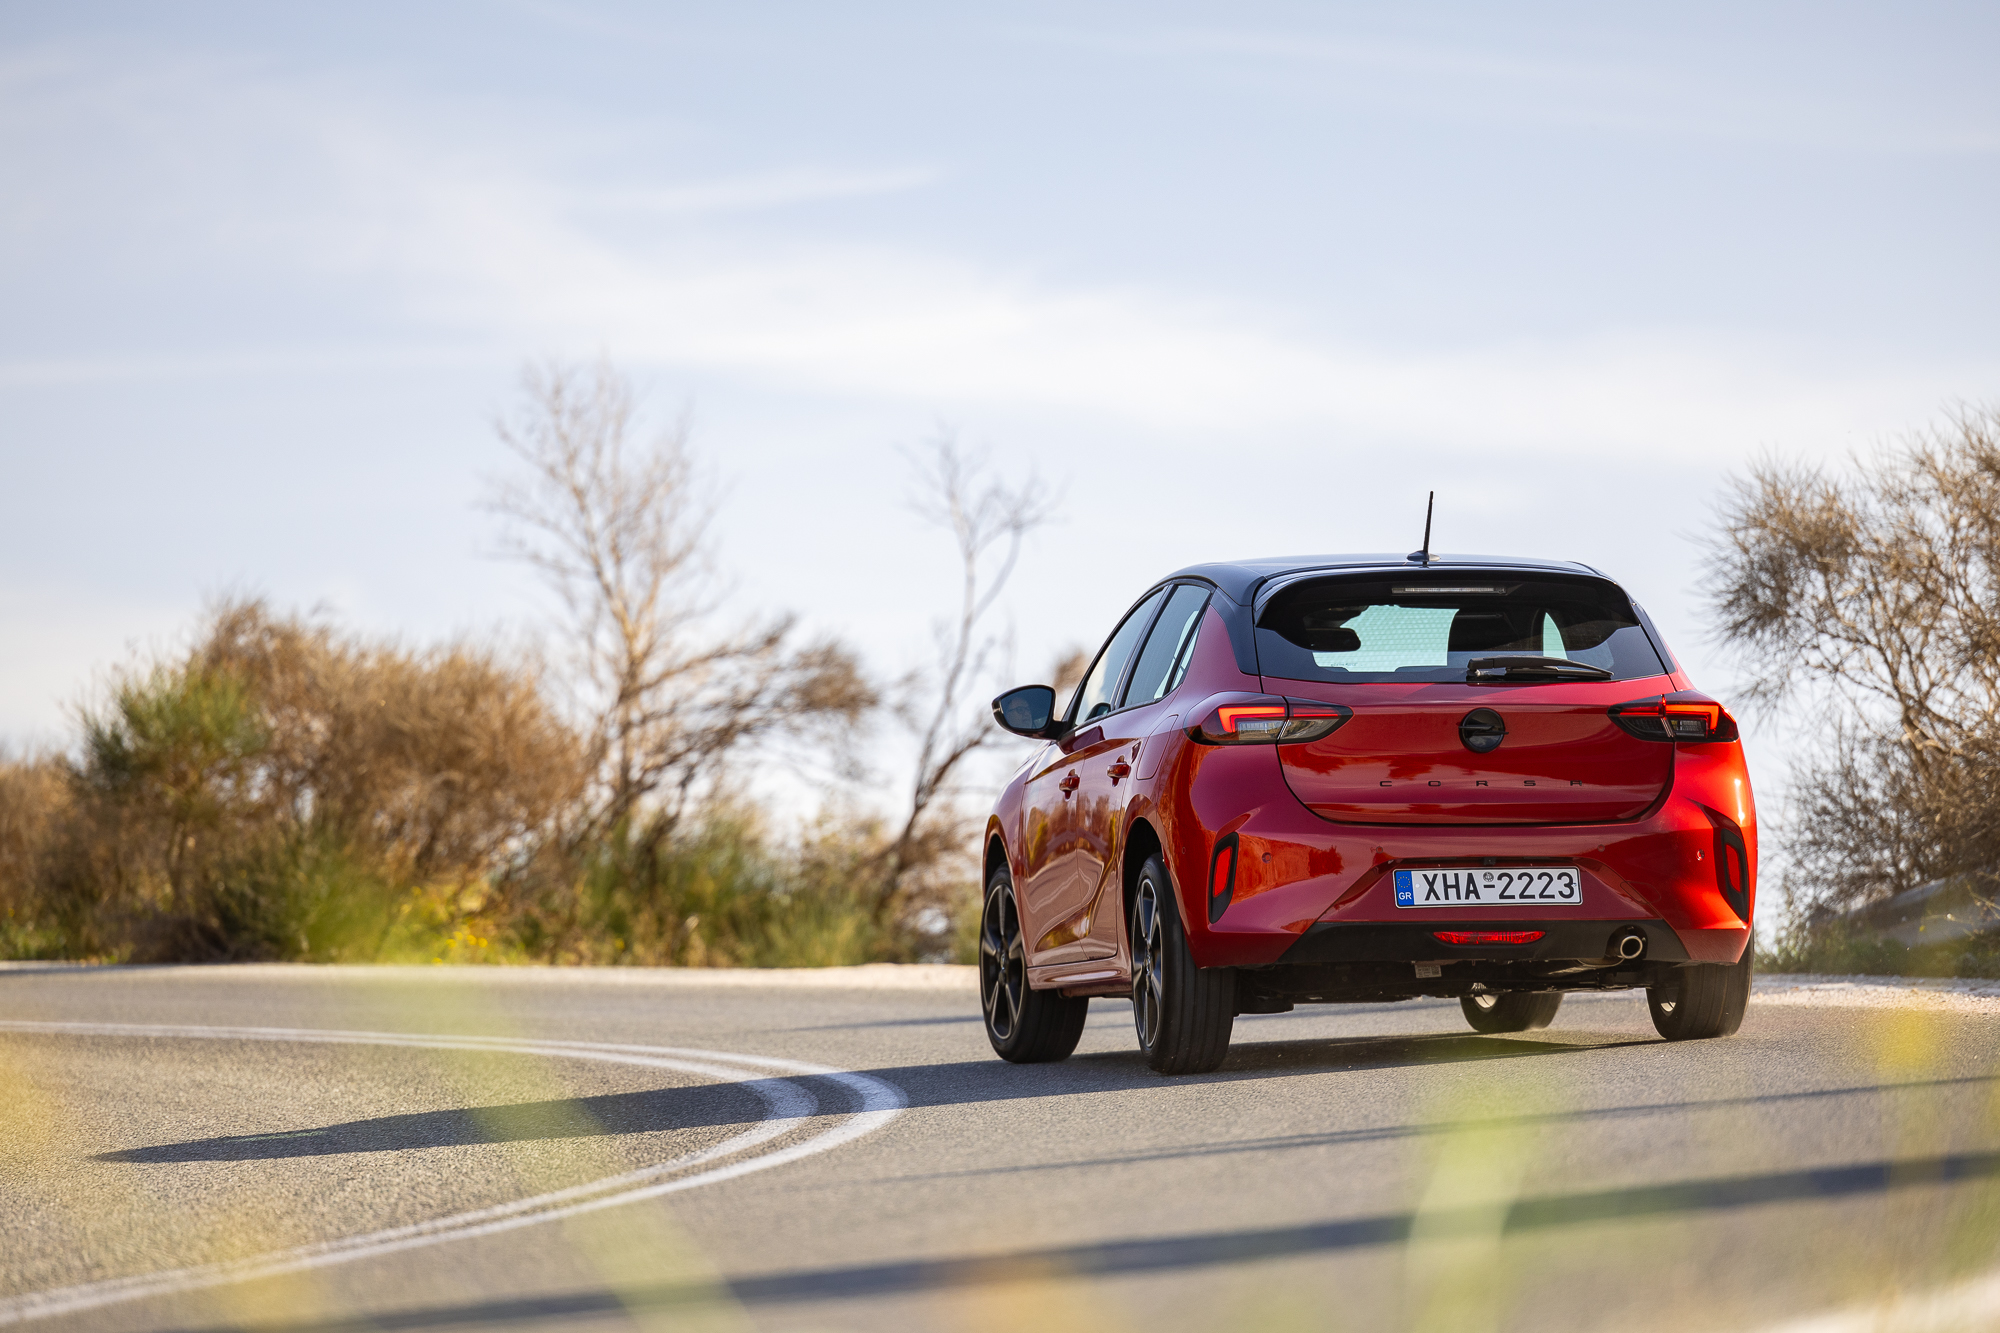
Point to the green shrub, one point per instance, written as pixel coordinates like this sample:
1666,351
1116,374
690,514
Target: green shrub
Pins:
283,792
714,893
1842,950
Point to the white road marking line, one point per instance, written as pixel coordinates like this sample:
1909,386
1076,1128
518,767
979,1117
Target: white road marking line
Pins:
787,1105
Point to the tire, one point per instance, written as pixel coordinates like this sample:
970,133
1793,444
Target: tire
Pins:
1183,1013
1702,1000
1514,1011
1026,1026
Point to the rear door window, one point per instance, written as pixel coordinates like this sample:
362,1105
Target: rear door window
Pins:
1430,628
1100,687
1165,645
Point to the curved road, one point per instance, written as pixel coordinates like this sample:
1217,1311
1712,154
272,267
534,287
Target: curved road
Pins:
350,1149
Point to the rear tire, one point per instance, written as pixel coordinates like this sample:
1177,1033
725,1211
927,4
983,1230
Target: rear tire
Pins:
1026,1026
1702,1000
1515,1011
1183,1013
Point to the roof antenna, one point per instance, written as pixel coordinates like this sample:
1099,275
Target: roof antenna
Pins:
1423,557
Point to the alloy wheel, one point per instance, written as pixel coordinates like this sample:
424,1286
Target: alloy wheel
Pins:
1003,973
1148,965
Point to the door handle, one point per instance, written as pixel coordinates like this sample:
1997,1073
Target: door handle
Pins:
1121,769
1069,783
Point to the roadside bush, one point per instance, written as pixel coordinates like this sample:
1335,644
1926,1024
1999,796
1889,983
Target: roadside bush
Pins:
280,792
1867,603
719,893
1840,948
36,807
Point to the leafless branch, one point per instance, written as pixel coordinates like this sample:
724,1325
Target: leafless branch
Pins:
1872,602
620,532
988,518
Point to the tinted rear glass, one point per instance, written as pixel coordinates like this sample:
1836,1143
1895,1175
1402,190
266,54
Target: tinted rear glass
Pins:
1430,627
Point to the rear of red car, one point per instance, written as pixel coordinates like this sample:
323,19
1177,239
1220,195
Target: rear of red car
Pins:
1453,779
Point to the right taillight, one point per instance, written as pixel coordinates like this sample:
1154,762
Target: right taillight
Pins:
1263,719
1676,717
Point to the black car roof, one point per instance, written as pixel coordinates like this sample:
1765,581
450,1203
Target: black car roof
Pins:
1240,579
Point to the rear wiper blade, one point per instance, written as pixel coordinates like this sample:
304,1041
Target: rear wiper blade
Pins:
1524,668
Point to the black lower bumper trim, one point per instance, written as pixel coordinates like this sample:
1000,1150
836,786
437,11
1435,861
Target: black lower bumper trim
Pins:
1417,942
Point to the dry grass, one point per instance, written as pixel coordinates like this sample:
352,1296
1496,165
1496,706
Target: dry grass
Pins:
285,791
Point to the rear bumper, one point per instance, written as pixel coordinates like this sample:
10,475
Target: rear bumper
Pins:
1417,942
1307,890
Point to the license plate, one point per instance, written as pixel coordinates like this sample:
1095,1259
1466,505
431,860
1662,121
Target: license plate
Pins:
1512,886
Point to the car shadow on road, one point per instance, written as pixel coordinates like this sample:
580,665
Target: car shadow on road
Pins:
965,1082
1179,1254
1326,1054
952,1020
709,1105
716,1105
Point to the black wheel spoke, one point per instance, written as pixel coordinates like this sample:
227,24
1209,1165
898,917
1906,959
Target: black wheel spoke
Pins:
1001,971
1148,997
1025,1026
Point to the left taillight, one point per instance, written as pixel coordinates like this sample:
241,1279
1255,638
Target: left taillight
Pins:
1269,720
1676,717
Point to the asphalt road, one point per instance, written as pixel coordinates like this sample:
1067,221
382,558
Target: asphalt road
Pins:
1348,1168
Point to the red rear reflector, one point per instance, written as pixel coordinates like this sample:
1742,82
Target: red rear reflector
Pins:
1488,936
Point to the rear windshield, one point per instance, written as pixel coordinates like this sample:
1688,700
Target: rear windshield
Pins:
1429,627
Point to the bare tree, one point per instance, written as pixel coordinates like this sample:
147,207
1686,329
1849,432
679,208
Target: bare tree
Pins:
620,532
1870,603
1067,668
987,518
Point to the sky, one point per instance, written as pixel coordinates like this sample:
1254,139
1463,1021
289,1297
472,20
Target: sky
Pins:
1233,281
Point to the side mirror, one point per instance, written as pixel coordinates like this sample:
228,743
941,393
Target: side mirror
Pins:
1028,711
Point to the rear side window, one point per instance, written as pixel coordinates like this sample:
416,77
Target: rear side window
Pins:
1094,696
1429,627
1165,645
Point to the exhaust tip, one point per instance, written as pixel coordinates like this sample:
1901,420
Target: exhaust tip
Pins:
1629,944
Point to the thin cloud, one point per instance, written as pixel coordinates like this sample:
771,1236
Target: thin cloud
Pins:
1460,83
474,246
226,362
760,193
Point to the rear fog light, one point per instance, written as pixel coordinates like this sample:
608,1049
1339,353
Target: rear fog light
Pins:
1488,936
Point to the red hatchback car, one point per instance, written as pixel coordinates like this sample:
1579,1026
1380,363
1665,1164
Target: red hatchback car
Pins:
1368,778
